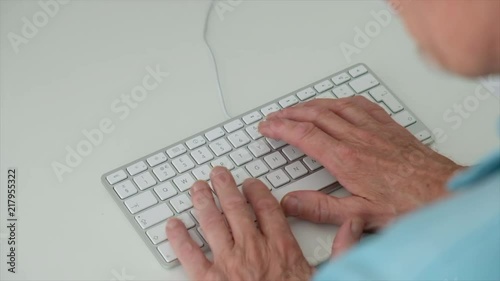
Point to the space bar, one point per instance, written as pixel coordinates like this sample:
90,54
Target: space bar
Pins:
315,181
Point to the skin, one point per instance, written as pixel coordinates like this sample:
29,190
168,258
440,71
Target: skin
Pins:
387,170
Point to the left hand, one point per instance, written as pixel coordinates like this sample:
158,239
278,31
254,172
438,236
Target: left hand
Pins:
241,251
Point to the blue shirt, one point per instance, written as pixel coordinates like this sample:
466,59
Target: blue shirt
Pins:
456,239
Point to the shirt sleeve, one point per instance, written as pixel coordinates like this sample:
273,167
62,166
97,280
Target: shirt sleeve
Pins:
456,239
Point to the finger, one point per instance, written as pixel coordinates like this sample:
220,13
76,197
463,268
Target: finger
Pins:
319,207
233,203
321,116
347,236
356,109
304,135
268,211
211,220
187,251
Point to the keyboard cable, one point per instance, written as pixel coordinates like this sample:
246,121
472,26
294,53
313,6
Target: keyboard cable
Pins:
214,61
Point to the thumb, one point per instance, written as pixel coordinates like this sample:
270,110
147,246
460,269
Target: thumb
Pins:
318,207
347,236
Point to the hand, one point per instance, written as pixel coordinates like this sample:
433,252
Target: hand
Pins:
241,250
385,168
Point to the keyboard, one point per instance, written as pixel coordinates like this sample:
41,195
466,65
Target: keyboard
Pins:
154,188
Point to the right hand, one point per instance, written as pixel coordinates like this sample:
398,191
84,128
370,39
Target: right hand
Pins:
385,168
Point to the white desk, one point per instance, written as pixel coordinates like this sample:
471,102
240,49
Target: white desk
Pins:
67,76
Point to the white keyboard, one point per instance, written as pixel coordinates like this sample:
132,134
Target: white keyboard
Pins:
154,188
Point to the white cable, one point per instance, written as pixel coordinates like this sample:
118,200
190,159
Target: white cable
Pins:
219,88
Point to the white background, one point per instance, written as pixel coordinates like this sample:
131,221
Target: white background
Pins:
66,77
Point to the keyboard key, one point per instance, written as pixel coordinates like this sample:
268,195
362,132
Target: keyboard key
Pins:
257,168
240,175
202,155
363,83
379,93
165,190
184,182
423,135
224,162
125,189
292,152
393,104
384,107
315,181
154,215
275,160
306,94
343,91
241,156
176,150
296,170
181,203
326,95
196,238
404,118
195,142
137,168
270,109
266,182
167,252
183,163
252,117
164,172
277,178
238,139
289,101
140,202
202,173
323,86
116,177
312,164
259,148
233,126
220,147
214,134
275,144
156,159
200,231
341,78
144,180
253,131
358,70
368,97
187,220
157,233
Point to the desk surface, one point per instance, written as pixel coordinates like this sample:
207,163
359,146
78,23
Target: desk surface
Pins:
65,78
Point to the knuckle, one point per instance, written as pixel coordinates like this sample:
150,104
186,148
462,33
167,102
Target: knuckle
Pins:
268,205
321,211
234,203
304,131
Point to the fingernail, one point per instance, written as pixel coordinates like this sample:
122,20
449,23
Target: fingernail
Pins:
196,187
218,170
291,204
357,226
